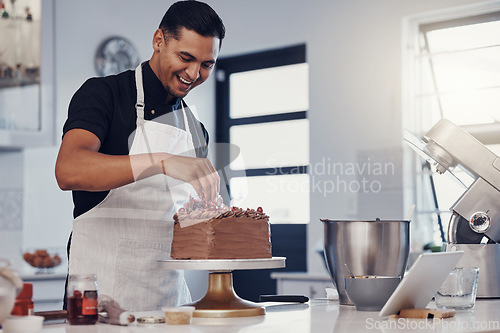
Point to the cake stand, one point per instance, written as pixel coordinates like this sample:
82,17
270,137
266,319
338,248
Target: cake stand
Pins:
220,300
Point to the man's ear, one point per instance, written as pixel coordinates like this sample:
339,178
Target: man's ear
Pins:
158,40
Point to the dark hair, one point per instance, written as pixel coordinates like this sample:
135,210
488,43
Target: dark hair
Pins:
192,15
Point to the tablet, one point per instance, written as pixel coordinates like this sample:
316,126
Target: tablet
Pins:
421,282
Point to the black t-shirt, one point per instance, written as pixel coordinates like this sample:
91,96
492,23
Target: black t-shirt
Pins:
106,107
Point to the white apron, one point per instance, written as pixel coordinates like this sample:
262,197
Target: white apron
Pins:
121,239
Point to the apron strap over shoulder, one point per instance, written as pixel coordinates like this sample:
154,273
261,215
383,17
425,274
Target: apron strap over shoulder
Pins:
186,123
139,105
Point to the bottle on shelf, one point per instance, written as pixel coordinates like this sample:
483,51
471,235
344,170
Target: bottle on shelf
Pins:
29,16
3,11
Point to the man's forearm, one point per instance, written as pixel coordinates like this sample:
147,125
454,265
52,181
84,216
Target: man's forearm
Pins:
93,171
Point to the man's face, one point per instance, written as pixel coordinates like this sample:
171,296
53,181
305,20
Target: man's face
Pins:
184,63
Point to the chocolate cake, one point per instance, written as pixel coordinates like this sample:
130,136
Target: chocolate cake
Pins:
208,231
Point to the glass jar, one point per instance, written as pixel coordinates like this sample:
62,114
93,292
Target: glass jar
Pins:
82,299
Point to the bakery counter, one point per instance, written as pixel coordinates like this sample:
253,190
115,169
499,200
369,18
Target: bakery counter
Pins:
316,316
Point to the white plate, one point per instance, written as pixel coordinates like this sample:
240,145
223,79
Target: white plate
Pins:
225,264
421,282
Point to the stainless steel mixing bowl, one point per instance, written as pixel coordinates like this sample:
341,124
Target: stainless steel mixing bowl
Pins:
379,247
371,294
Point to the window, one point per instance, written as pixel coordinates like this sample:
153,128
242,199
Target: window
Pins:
262,103
452,67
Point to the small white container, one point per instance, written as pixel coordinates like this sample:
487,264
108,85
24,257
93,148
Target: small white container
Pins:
23,324
181,315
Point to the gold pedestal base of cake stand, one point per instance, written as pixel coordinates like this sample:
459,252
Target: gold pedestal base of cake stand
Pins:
220,300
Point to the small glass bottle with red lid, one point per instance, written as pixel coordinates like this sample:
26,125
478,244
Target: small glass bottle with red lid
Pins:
82,299
24,301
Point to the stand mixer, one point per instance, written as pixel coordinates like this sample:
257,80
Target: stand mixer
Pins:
474,226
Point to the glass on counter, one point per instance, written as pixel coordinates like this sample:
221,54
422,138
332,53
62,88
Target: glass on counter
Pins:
459,289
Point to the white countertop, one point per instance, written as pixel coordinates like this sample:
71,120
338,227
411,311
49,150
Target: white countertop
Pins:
316,316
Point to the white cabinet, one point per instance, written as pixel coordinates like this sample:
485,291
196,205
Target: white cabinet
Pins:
48,291
307,284
27,80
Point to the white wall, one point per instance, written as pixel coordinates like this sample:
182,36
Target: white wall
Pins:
11,197
354,52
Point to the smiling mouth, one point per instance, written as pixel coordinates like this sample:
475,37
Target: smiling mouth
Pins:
185,81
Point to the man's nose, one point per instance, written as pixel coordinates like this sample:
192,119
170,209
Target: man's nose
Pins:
193,71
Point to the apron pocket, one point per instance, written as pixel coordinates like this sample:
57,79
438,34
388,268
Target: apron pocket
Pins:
143,283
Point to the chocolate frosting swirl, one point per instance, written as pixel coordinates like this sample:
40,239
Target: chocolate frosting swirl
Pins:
197,210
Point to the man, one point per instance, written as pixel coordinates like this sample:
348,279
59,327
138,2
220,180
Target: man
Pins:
126,195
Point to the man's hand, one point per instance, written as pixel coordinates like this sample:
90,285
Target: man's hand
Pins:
198,172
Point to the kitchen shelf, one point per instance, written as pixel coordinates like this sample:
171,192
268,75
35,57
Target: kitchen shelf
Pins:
18,82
